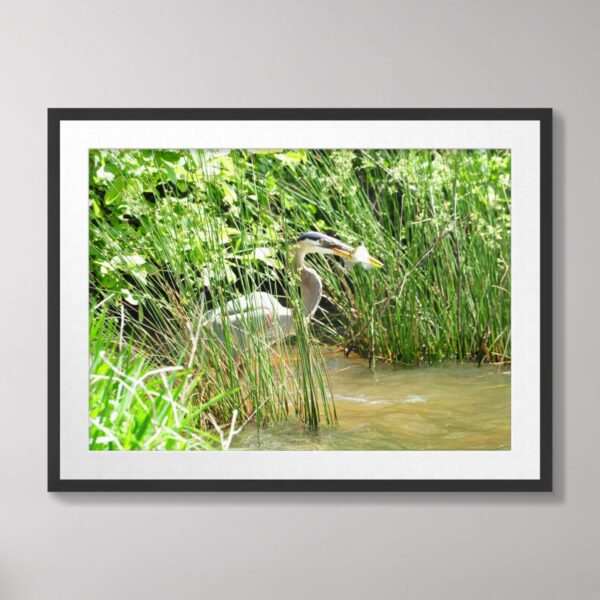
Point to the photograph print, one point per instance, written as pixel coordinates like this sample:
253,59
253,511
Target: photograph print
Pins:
294,299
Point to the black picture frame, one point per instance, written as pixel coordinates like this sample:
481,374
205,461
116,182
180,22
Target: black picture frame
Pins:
58,115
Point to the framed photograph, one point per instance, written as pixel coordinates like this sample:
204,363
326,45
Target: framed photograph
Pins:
300,299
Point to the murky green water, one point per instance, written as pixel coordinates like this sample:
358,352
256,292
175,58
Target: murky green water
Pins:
442,407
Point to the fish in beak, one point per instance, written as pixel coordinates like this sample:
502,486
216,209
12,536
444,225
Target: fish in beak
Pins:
361,256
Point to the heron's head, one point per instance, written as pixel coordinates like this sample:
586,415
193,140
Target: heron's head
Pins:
319,243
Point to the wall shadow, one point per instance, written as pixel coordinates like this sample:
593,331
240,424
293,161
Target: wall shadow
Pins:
558,496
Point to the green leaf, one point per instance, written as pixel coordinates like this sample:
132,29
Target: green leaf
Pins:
292,158
114,191
171,174
169,156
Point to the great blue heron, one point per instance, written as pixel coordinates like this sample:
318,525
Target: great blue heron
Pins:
259,311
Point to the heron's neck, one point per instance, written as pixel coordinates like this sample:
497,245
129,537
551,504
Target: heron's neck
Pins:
311,290
299,259
310,284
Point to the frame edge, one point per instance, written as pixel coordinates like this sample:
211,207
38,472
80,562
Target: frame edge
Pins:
54,481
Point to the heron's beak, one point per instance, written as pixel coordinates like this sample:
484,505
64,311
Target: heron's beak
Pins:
342,251
358,255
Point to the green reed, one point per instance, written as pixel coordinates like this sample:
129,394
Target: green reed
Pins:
440,221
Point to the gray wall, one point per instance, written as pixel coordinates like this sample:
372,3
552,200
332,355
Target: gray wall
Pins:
259,53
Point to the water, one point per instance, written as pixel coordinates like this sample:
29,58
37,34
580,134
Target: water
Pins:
442,407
